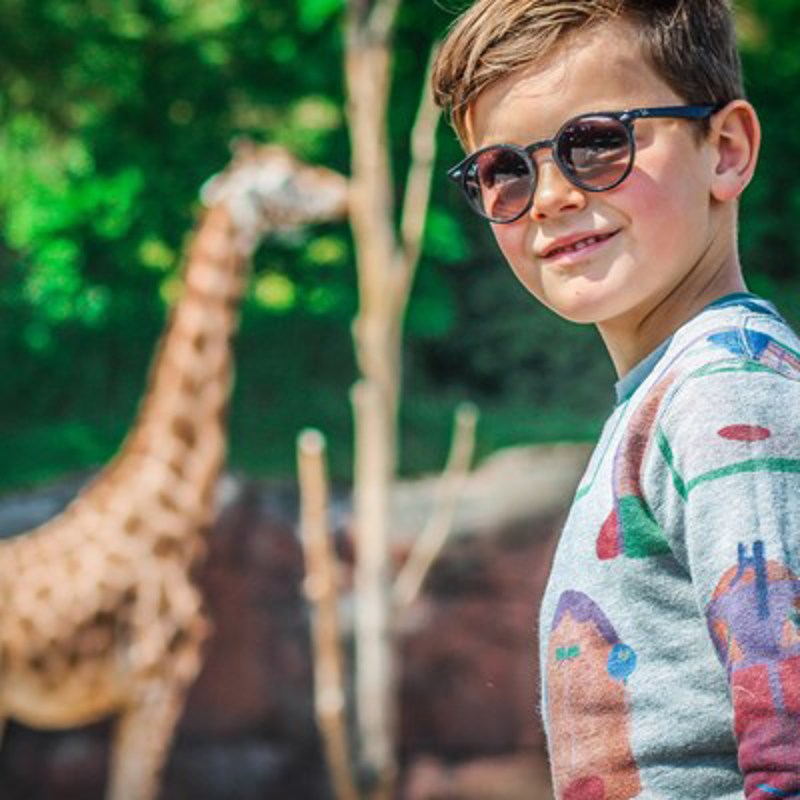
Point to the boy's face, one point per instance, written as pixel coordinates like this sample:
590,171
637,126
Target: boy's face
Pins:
659,231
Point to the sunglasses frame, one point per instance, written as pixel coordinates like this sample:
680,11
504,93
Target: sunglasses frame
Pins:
460,171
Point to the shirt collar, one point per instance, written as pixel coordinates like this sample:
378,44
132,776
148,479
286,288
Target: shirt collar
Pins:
631,381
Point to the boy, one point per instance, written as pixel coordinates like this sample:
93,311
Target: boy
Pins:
671,623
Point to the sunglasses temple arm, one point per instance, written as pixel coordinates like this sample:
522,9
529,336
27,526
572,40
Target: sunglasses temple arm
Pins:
673,112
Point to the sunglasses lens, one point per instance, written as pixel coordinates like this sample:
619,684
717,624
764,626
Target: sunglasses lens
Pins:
499,183
596,151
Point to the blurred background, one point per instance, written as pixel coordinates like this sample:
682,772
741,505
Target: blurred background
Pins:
112,115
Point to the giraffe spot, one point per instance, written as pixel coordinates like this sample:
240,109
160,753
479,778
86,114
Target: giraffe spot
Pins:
199,342
36,663
188,385
744,433
43,592
132,524
177,640
128,597
184,430
73,657
100,619
164,605
166,546
175,466
167,502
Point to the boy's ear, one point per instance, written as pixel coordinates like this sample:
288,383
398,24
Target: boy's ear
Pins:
736,137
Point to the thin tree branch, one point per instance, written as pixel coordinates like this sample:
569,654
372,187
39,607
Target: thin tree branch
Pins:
418,183
321,591
382,19
358,13
451,484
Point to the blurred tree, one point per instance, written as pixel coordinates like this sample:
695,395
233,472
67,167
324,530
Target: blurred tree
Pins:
386,261
772,204
111,113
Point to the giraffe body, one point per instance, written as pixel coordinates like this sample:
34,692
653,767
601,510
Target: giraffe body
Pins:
101,614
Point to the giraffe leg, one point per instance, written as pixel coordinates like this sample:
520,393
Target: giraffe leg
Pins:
142,739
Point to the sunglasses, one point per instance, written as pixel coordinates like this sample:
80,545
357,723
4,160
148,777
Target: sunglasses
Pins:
594,152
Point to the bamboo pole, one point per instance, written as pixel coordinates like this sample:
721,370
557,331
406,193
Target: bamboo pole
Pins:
321,591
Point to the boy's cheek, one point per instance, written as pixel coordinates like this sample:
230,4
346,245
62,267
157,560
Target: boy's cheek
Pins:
512,240
517,250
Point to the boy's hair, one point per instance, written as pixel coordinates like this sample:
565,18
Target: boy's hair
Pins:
690,43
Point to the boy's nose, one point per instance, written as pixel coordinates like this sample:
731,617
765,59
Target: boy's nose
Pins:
554,194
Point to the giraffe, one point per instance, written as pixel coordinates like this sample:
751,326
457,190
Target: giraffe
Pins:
100,612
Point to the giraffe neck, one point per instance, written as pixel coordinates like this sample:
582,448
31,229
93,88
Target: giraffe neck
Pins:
180,429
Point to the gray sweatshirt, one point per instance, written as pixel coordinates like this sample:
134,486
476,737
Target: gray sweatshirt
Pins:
670,628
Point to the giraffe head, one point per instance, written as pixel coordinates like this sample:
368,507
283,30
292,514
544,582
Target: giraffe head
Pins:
267,190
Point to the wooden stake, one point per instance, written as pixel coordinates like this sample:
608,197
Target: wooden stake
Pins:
321,591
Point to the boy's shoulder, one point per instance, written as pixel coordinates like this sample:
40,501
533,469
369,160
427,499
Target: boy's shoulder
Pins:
726,382
722,393
728,399
736,348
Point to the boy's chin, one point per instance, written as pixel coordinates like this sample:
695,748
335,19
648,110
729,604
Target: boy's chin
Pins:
593,304
579,311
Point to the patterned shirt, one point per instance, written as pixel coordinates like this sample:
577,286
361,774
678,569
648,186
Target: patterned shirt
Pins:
670,644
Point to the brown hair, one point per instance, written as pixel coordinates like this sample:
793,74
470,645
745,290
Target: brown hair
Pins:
690,43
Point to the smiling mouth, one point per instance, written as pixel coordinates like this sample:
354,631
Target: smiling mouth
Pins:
581,244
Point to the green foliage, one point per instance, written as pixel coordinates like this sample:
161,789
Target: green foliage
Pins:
772,203
315,14
114,112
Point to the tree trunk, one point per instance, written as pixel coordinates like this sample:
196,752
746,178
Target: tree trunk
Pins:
375,401
385,265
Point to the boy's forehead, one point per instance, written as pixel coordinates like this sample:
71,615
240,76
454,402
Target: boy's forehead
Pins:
600,69
491,112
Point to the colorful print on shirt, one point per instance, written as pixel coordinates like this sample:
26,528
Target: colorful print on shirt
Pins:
754,620
630,529
762,349
588,709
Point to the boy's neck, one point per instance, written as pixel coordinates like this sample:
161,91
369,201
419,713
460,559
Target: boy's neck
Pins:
628,340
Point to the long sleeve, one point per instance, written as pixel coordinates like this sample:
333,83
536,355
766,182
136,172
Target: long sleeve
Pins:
724,475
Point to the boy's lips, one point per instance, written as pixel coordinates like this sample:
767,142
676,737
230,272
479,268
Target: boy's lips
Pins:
567,245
